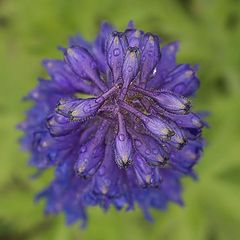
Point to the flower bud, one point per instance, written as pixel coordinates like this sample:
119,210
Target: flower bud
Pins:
123,144
83,64
116,48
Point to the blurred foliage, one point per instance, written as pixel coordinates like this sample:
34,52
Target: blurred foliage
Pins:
209,31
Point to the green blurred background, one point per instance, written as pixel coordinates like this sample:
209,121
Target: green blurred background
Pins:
209,31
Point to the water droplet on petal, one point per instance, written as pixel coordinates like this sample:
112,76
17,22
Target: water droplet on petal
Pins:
86,108
116,52
148,151
101,171
179,87
179,122
129,68
83,149
121,137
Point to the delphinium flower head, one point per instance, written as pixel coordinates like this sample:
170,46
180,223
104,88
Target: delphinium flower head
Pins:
129,140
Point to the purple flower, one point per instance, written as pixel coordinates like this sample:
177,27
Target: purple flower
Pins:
134,136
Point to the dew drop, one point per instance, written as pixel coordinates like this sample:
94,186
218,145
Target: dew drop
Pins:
83,149
101,171
119,64
130,69
147,151
116,52
178,88
87,108
121,137
179,122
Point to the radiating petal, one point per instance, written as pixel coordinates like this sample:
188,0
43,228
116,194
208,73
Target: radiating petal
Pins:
115,53
150,150
134,37
92,153
130,69
99,45
83,64
150,56
59,125
182,80
123,144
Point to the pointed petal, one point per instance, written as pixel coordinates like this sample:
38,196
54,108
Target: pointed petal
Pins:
85,108
190,120
134,37
116,48
151,150
185,159
92,153
172,102
183,80
131,25
99,45
65,105
168,100
58,125
150,56
131,64
84,65
179,139
168,59
158,127
155,125
167,64
123,142
130,69
78,40
108,178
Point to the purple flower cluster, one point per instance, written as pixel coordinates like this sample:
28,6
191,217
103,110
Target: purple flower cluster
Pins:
130,139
